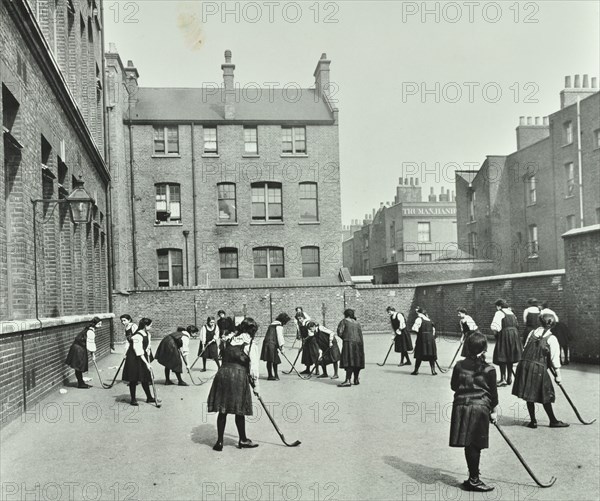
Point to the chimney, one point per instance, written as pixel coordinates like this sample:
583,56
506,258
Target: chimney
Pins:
411,181
432,197
581,89
416,181
594,82
400,181
131,81
452,196
321,75
532,131
228,68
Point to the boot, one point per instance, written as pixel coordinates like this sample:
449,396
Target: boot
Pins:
476,485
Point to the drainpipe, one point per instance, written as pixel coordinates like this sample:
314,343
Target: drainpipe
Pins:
194,194
133,229
579,161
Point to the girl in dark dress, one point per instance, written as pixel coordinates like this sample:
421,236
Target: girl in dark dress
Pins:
209,339
531,317
310,352
475,401
425,347
168,354
402,340
130,327
301,319
272,344
230,392
353,351
467,327
327,343
137,362
508,347
77,358
532,381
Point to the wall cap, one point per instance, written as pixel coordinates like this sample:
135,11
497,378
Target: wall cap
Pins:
581,231
512,276
29,324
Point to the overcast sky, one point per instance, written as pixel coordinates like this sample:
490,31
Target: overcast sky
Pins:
491,62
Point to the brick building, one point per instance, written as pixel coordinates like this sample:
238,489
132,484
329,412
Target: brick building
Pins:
53,272
410,230
515,208
223,185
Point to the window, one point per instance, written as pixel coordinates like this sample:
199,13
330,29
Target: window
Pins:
310,262
568,132
473,244
531,190
423,232
170,267
268,262
166,140
533,240
210,140
570,175
570,222
228,258
266,202
226,201
293,140
168,203
471,206
424,258
251,140
308,202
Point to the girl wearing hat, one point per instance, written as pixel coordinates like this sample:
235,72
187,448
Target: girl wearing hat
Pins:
137,362
77,357
230,392
475,401
272,343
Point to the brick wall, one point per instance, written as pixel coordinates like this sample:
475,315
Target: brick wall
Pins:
32,359
582,290
414,273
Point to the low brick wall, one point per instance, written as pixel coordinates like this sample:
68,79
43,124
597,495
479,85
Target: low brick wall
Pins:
406,272
32,356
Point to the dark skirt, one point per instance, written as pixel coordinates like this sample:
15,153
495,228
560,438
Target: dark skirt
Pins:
470,423
465,350
211,352
403,342
331,355
270,353
425,347
77,358
230,392
353,356
533,383
310,351
561,332
168,355
135,370
508,347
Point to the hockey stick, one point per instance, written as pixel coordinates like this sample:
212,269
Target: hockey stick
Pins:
293,444
99,378
295,360
156,402
581,420
188,371
443,371
514,449
293,366
462,340
108,386
386,357
202,353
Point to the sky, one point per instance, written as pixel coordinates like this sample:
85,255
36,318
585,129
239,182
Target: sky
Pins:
422,87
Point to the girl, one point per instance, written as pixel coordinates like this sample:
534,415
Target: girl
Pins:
532,381
130,327
475,401
353,351
274,342
301,319
425,347
230,391
209,337
137,362
329,348
310,351
508,347
530,318
168,354
467,327
402,340
77,357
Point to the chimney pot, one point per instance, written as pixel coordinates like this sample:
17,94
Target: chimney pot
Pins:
380,205
416,181
227,56
568,82
529,120
400,179
577,81
545,120
521,120
323,55
442,192
412,181
594,82
406,181
431,190
585,82
537,120
130,63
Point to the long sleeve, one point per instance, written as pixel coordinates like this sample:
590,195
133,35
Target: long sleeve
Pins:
417,325
90,340
203,335
497,321
252,352
138,347
454,380
185,345
280,338
554,351
329,332
341,328
471,325
490,377
401,320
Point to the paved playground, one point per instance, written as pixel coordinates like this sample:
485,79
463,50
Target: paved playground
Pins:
384,439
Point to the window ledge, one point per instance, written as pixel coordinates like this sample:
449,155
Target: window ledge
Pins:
309,222
210,155
533,256
174,223
472,222
226,224
567,144
531,205
265,223
250,155
170,155
569,196
294,155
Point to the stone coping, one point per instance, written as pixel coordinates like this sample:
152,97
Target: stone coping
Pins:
581,231
31,324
